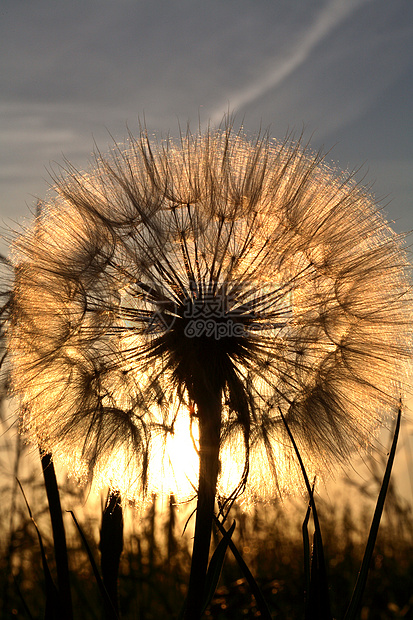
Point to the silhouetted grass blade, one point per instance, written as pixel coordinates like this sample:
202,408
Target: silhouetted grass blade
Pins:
105,596
355,602
26,607
318,607
261,603
307,555
53,606
215,566
111,546
59,536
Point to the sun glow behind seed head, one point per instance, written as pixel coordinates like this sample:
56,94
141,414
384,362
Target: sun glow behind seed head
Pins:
173,468
174,461
246,266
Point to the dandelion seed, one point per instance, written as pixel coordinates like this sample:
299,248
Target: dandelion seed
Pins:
197,289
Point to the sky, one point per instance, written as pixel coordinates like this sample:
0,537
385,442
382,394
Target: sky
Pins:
74,73
82,72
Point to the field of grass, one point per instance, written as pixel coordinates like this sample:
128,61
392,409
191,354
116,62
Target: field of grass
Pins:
155,562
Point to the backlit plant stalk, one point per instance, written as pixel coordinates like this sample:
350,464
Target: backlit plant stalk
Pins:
209,409
218,284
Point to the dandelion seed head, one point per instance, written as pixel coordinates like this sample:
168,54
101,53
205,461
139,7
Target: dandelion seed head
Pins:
211,265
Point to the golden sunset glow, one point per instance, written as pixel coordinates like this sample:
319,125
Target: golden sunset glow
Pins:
212,284
174,468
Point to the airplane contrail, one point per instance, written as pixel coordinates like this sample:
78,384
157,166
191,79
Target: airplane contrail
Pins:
328,19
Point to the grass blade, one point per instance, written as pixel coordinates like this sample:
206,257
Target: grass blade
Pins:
261,603
59,536
215,566
355,602
105,596
52,595
307,555
111,546
318,607
25,606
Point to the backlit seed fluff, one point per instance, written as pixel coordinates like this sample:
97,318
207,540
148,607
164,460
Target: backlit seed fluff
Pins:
249,269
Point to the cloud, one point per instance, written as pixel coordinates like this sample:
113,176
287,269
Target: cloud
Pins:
328,19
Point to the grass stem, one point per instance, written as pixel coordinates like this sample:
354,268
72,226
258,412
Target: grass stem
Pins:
59,536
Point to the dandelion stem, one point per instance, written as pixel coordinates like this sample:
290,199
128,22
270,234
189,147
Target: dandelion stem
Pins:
209,412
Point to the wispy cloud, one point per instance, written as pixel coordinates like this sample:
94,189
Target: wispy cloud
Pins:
329,18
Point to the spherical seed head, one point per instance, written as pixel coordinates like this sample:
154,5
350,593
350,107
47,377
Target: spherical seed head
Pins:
216,265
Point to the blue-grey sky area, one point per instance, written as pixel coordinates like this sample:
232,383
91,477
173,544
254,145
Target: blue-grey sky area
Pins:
71,72
339,70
